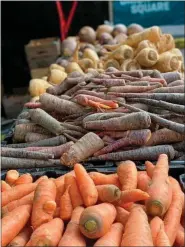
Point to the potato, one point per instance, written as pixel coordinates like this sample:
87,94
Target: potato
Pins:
56,76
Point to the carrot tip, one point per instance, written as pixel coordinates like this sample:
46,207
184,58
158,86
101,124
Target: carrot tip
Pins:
154,208
90,225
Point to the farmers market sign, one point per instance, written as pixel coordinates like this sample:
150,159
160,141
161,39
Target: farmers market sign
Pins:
169,15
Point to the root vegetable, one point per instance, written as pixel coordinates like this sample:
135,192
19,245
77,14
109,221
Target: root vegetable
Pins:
122,215
108,193
111,63
112,237
22,129
22,238
180,146
48,234
160,197
172,217
119,28
87,34
56,76
43,203
11,177
96,221
120,38
72,235
38,87
143,181
8,163
74,89
88,53
129,65
143,229
176,83
86,63
123,52
146,153
167,62
109,82
164,136
171,76
86,186
129,122
13,223
82,149
136,138
133,195
144,44
34,137
134,28
43,119
56,66
165,43
68,47
59,105
103,29
66,207
127,175
134,89
24,179
102,116
16,193
102,179
147,57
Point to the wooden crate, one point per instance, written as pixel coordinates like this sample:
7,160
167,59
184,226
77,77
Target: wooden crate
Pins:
42,52
39,73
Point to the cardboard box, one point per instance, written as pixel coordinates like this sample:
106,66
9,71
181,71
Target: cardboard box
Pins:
42,52
39,73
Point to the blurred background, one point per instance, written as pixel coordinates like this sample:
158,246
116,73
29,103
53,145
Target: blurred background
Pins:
29,20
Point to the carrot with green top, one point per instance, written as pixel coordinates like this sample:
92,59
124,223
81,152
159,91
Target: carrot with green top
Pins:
16,193
101,179
4,186
143,181
22,238
139,220
86,186
173,215
13,223
112,237
25,200
74,191
96,221
72,235
160,190
122,215
11,177
48,234
66,207
127,174
44,203
24,179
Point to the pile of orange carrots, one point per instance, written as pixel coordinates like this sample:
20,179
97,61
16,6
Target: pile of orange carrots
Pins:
128,208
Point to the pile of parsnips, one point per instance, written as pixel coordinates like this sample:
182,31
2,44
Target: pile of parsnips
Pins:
125,49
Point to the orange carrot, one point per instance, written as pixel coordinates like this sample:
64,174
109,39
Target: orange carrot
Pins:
127,174
22,238
137,230
13,223
11,177
25,200
96,221
4,186
112,237
59,182
180,238
48,234
132,196
122,215
57,213
16,193
24,179
66,207
149,168
74,192
129,206
72,235
86,186
108,193
162,239
173,215
43,203
101,179
143,180
160,189
40,179
155,225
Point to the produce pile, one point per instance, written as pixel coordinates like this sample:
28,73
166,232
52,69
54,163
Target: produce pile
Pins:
128,208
